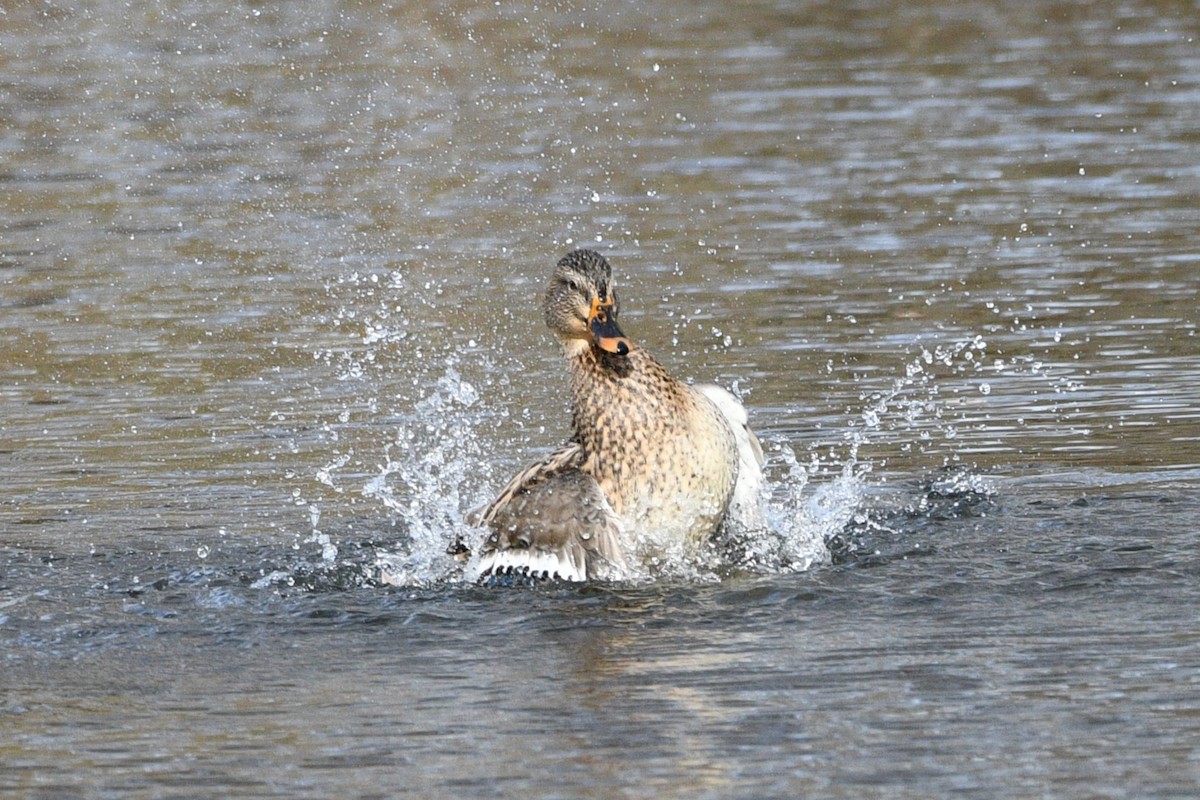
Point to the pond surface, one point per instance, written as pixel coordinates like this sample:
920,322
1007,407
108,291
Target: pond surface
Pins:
269,327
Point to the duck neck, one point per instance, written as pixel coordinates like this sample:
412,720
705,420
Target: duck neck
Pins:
601,384
615,399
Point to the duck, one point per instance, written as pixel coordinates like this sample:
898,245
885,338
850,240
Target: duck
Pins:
654,466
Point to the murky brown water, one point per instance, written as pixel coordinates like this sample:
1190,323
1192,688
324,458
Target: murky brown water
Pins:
268,308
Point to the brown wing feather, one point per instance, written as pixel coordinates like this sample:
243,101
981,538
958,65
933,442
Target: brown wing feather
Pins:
569,456
559,527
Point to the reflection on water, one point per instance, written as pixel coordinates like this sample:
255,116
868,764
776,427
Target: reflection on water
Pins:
268,279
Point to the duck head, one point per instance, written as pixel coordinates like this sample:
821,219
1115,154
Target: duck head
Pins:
581,304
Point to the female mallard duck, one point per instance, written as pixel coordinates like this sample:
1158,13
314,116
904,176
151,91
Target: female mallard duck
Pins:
652,464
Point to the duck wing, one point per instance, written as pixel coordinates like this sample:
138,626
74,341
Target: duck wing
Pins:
567,457
745,510
560,527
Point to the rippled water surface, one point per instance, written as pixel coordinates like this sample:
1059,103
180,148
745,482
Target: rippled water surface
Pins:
269,327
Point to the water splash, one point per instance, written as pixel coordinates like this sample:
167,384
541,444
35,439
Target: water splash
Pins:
438,466
946,390
439,463
429,478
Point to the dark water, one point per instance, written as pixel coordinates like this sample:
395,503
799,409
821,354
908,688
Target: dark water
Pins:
268,328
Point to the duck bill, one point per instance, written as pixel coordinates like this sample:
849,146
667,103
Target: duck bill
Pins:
610,339
603,325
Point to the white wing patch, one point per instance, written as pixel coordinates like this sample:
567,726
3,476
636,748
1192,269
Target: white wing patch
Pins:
745,509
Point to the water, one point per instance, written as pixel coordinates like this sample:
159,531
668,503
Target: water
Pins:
269,328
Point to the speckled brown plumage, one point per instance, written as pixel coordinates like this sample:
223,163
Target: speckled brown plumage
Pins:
662,454
652,463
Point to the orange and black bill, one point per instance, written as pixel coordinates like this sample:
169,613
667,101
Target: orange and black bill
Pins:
603,324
